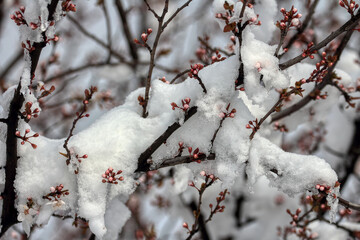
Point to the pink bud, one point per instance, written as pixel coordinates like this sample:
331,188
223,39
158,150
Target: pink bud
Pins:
202,173
111,179
103,175
232,115
17,133
248,126
295,10
196,156
110,169
107,172
186,106
52,189
149,31
185,225
222,115
144,37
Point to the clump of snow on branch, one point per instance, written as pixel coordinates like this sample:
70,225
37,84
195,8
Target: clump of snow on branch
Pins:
289,172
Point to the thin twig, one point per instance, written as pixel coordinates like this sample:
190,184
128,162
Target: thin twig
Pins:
304,25
126,29
10,65
78,69
179,75
108,28
100,42
174,14
152,57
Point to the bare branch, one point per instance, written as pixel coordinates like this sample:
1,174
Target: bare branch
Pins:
175,13
108,28
126,29
179,75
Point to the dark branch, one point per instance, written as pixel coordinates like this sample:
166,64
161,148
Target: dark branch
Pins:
126,29
143,164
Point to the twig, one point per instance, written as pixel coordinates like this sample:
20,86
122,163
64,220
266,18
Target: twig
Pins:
78,69
108,28
179,75
170,162
11,64
162,24
152,56
88,96
203,42
126,29
152,10
304,25
347,27
175,13
349,204
273,109
100,42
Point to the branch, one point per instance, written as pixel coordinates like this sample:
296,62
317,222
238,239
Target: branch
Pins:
11,64
179,75
161,27
78,69
348,204
347,27
175,13
9,213
126,29
100,42
152,56
327,80
143,164
108,28
170,162
152,10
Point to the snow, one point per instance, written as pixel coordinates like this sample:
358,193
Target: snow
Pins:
118,138
288,172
